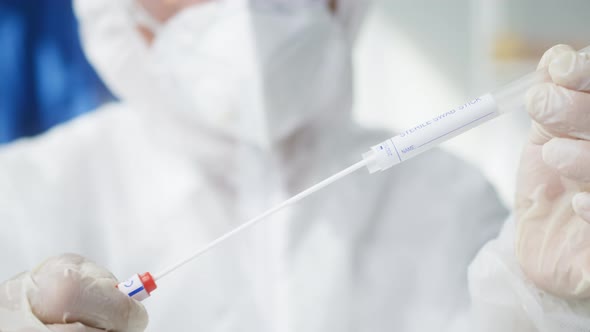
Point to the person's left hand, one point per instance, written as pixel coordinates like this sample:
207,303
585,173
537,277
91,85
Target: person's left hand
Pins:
553,191
68,294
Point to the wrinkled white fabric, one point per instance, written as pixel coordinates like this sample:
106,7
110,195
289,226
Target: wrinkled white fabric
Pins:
504,299
68,293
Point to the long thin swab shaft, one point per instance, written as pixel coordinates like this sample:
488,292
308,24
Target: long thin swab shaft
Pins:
261,217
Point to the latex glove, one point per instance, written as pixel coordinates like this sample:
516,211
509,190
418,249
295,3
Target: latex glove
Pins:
553,200
68,293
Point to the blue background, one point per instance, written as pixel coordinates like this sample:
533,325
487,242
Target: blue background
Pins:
45,78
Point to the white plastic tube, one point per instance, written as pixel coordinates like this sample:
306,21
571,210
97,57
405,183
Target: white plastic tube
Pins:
393,151
432,132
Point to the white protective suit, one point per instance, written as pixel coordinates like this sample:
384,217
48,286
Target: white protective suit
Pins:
137,184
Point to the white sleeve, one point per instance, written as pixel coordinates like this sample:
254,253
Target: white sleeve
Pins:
504,300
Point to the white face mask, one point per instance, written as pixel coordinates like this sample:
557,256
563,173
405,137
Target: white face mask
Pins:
251,71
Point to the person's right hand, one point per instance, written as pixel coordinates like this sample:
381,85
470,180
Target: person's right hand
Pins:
553,190
68,294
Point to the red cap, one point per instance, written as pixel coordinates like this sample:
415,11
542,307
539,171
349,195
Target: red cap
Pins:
148,282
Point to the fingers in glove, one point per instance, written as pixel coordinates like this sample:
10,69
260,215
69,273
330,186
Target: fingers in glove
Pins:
570,69
75,327
570,157
560,111
581,205
552,53
70,289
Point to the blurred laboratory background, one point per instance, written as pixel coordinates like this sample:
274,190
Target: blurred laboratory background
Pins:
422,57
413,59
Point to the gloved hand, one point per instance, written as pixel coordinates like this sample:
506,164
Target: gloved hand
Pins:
68,293
553,200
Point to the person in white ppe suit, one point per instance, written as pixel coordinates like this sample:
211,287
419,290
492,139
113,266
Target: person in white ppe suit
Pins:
228,107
